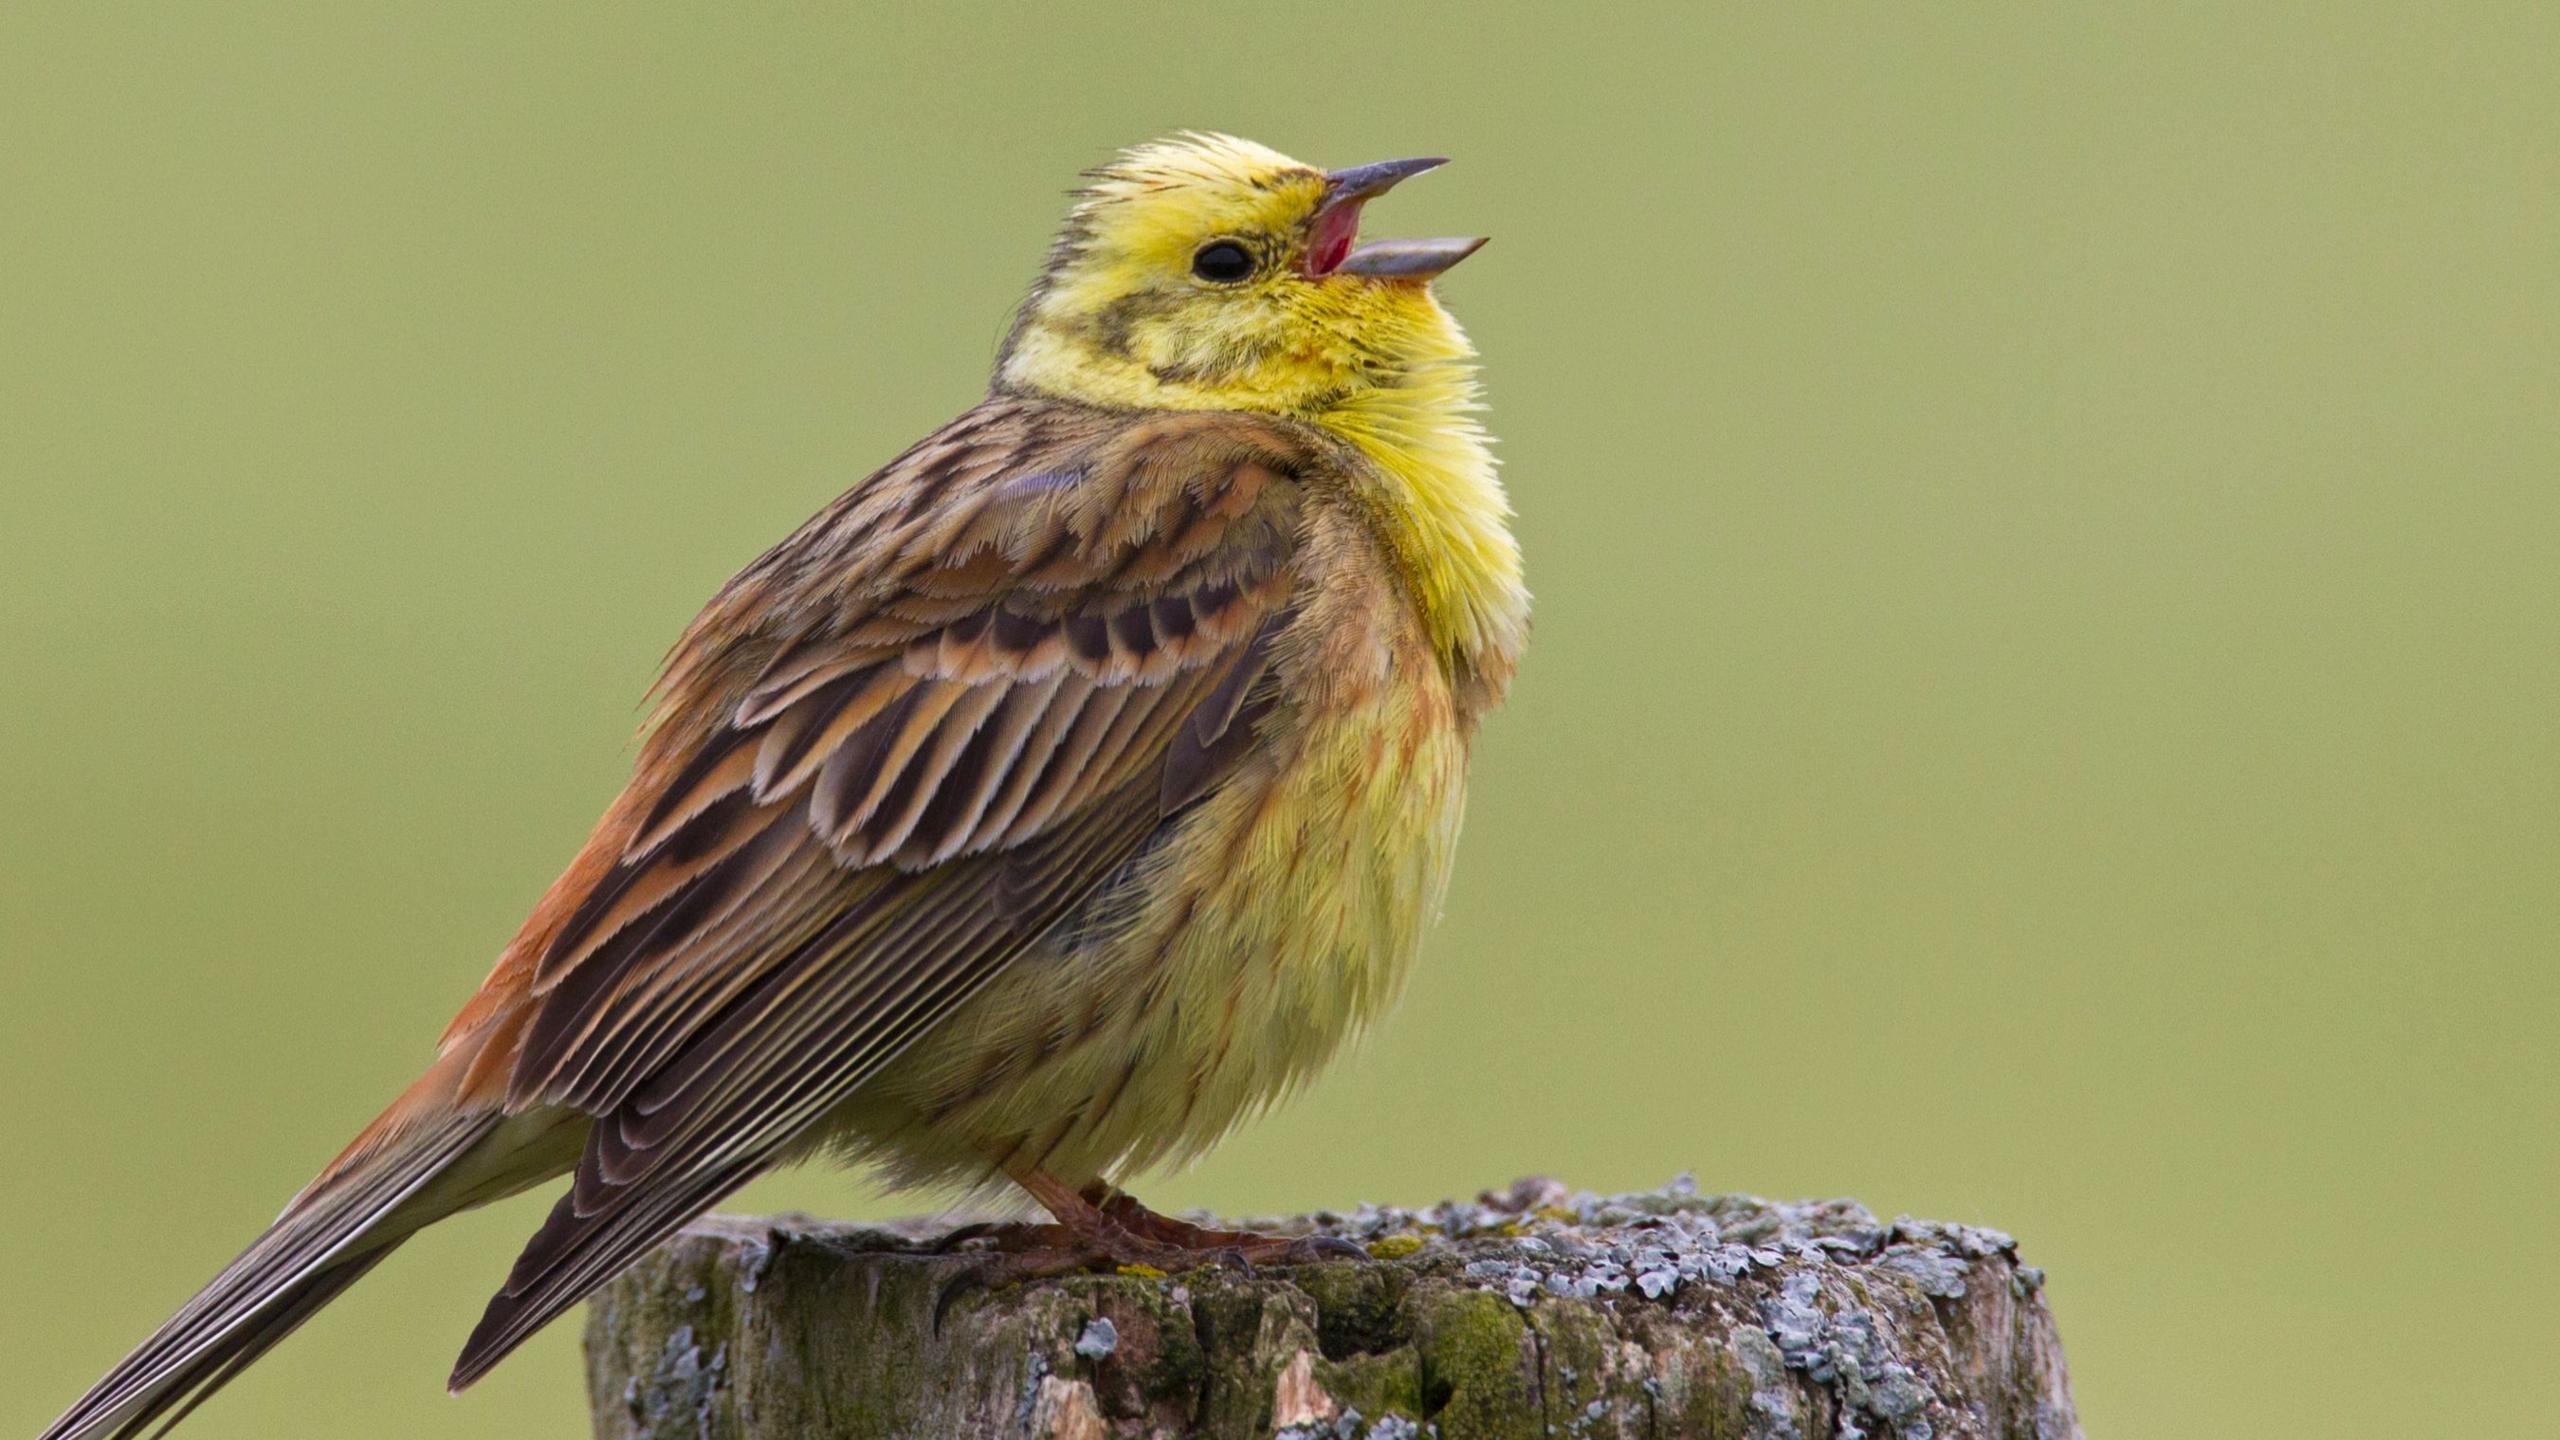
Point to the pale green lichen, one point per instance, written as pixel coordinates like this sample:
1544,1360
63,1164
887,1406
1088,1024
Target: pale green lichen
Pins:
1378,1385
1473,1381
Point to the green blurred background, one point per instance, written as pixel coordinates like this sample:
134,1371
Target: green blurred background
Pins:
2046,522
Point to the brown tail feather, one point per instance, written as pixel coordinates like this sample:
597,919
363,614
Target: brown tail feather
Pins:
209,1371
327,1240
573,1255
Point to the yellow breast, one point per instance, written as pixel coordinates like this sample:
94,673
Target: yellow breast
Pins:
1277,921
1311,897
1283,913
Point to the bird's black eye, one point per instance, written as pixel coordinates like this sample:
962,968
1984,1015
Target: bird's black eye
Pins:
1222,262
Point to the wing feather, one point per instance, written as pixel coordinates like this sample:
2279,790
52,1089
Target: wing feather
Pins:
893,754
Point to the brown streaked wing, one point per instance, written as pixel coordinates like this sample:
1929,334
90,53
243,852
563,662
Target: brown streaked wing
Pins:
892,754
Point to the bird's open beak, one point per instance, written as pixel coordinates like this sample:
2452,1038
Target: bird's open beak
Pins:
1337,226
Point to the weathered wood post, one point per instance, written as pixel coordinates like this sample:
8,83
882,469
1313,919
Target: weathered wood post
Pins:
1529,1313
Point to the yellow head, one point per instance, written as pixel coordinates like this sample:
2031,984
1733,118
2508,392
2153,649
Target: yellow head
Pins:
1209,273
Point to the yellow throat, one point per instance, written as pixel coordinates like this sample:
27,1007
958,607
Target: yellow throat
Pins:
1126,315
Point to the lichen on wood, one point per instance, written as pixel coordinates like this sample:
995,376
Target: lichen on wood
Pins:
1531,1312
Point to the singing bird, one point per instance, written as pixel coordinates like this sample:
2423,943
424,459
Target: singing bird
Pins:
1062,794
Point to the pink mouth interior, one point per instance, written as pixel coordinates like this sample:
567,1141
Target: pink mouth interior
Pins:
1335,230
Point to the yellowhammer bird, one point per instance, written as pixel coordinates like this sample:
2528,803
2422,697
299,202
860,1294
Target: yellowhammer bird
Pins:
1062,794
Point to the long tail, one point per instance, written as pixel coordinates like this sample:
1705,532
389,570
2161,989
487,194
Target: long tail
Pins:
324,1242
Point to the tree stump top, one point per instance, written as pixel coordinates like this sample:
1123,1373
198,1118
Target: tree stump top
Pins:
1530,1312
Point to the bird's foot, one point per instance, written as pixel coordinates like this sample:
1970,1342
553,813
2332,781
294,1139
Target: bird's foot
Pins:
1243,1248
1111,1232
1004,1237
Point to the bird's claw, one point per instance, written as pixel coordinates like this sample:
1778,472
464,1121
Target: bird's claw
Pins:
1129,1236
959,1236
